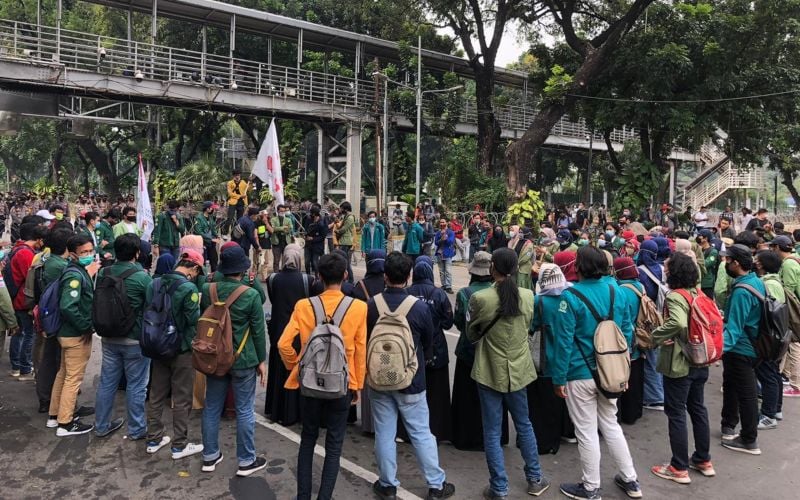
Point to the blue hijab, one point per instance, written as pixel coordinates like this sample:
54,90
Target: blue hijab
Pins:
663,249
165,264
423,269
375,261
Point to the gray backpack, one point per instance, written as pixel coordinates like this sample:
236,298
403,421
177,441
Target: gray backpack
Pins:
323,362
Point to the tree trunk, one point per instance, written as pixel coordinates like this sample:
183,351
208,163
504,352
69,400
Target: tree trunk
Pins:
102,164
488,126
787,179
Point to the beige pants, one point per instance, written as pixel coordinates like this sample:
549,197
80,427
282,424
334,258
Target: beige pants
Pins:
791,365
75,352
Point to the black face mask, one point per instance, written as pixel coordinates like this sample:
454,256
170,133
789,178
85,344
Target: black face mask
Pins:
131,218
728,270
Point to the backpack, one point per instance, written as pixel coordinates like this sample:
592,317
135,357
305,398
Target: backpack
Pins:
33,285
391,353
705,338
611,353
647,320
323,372
212,347
112,315
774,334
663,289
49,310
8,275
160,339
793,304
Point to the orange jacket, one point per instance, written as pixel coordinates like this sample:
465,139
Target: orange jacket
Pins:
354,330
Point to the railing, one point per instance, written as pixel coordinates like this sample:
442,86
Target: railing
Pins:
729,178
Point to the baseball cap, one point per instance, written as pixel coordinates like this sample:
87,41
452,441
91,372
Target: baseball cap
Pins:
564,236
45,214
782,242
738,252
194,257
481,264
209,204
706,234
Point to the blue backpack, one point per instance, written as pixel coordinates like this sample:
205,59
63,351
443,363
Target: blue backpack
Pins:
160,339
49,304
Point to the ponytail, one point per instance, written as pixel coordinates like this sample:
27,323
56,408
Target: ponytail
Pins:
505,261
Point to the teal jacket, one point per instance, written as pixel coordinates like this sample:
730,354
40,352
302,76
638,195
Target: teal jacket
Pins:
412,243
185,307
373,237
743,316
574,325
634,302
545,310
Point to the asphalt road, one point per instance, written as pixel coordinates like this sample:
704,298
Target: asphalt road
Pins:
36,464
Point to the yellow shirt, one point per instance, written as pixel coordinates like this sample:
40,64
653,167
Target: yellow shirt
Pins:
233,198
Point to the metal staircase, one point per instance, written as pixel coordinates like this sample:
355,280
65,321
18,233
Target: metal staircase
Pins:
718,176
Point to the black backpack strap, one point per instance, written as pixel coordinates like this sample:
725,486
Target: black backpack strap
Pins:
586,302
127,274
752,290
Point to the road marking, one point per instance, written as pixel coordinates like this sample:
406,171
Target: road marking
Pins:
347,465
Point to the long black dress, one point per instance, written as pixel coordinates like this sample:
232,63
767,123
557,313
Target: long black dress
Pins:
285,289
374,284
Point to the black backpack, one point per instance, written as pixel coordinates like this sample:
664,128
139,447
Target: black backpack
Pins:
774,334
160,339
112,314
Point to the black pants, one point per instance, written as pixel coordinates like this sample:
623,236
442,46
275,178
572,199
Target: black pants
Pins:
684,394
313,254
631,401
14,232
709,292
47,368
769,375
739,397
332,413
235,213
347,249
211,255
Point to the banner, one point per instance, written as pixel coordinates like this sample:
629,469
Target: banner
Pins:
268,164
144,212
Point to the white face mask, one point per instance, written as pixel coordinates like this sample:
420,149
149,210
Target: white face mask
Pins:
512,234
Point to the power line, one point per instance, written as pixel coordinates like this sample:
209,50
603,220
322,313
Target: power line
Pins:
685,101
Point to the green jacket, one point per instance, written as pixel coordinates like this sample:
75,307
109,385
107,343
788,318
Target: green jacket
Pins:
412,243
75,303
166,234
246,315
373,237
7,317
279,228
121,228
345,233
136,286
103,231
722,287
465,350
92,234
502,357
743,316
185,307
711,260
53,267
671,361
790,275
774,286
247,279
205,227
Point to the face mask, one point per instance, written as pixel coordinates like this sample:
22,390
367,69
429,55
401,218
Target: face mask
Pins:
287,212
583,243
512,233
59,216
85,260
373,220
728,270
610,234
601,243
131,218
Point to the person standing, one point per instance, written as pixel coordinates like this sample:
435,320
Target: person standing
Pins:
168,231
345,234
128,224
281,236
205,225
122,356
477,235
523,247
710,262
330,413
412,242
684,384
373,235
174,378
500,317
445,251
316,234
631,402
237,199
104,235
790,277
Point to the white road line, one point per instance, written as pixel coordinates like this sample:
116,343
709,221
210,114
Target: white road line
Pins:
347,465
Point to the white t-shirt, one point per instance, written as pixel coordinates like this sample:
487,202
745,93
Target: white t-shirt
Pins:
701,219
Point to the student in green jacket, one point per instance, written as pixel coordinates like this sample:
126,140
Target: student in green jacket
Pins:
345,234
247,321
174,378
128,224
790,277
684,385
91,220
122,356
743,312
168,231
104,235
282,229
205,225
373,235
710,262
75,335
412,243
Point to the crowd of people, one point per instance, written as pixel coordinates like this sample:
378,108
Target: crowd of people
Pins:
528,322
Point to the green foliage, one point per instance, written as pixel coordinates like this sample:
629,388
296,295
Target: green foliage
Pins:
165,186
527,212
201,180
638,182
557,85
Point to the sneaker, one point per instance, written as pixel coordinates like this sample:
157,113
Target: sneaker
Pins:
631,488
52,422
210,465
739,445
577,490
446,491
258,464
667,471
187,451
536,488
384,492
784,379
153,446
791,392
570,440
449,290
113,426
14,373
84,411
27,377
766,423
654,406
779,416
704,468
73,429
488,494
729,434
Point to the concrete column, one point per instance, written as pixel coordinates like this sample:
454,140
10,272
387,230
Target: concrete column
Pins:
353,172
323,144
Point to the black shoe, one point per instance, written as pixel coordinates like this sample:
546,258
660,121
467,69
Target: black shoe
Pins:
446,491
84,411
384,492
114,425
258,464
739,445
73,429
44,406
211,465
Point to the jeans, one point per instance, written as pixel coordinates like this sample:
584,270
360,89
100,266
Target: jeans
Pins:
277,257
244,391
492,414
119,359
653,381
473,249
589,411
413,409
446,272
739,396
769,375
684,394
333,414
21,347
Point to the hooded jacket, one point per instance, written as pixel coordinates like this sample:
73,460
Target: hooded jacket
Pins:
648,258
439,304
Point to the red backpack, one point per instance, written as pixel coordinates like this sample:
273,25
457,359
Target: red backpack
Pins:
705,340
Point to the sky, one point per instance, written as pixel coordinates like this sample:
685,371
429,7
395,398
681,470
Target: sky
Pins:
511,46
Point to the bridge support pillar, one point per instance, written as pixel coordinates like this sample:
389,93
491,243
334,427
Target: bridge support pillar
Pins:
339,164
353,173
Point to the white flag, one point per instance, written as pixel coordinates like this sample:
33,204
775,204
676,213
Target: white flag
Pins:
144,212
268,164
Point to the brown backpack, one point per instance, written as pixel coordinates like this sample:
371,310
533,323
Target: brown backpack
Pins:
647,320
212,347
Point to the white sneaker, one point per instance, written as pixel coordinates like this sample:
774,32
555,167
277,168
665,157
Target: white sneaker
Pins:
154,446
187,451
52,422
14,373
